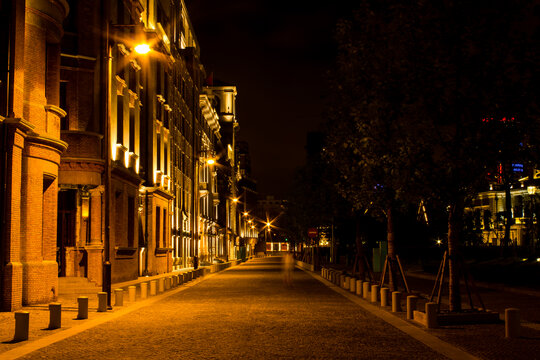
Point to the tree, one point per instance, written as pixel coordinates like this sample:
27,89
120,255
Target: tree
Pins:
412,85
369,111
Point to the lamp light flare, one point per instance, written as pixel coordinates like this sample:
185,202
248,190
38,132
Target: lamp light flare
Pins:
142,49
210,161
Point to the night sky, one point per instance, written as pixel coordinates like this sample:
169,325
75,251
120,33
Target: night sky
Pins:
277,54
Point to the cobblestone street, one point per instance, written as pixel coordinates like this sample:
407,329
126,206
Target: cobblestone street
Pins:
245,312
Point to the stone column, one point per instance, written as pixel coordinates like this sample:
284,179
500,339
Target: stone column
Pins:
95,215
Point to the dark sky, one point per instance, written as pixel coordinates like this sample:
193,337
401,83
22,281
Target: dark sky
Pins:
276,53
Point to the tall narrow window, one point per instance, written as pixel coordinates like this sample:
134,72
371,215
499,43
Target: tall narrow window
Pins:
158,226
64,122
165,160
131,221
132,129
165,242
132,78
158,151
119,119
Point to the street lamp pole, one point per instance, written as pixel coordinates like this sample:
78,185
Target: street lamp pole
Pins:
106,280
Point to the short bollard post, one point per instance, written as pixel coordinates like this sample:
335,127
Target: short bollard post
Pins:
102,301
359,287
431,315
153,287
167,283
161,285
22,325
411,306
511,323
365,289
374,293
341,280
396,301
346,282
55,315
118,297
180,279
132,291
384,296
352,285
144,290
174,281
82,312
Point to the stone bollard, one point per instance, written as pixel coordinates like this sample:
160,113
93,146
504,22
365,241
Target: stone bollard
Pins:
374,293
102,301
431,315
384,296
174,281
118,297
346,282
365,289
55,316
168,283
144,290
132,293
411,306
359,287
153,287
22,325
512,324
352,285
83,307
180,279
396,301
161,285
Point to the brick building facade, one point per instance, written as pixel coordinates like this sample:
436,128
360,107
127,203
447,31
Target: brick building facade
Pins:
31,147
105,150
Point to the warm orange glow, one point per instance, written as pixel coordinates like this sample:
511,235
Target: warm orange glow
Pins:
235,200
245,213
142,49
210,161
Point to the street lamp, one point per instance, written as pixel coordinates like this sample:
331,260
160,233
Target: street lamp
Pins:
142,49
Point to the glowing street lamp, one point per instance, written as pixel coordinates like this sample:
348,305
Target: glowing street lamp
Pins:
142,49
210,161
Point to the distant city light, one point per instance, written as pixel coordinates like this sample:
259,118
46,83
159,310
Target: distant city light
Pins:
210,161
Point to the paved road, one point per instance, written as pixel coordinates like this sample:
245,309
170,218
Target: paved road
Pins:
246,312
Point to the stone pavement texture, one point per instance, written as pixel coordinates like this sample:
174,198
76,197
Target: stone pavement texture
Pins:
246,312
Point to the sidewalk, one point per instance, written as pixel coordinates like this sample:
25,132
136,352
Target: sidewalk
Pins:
39,314
486,341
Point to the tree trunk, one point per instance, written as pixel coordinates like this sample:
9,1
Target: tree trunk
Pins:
391,248
360,253
508,217
455,218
